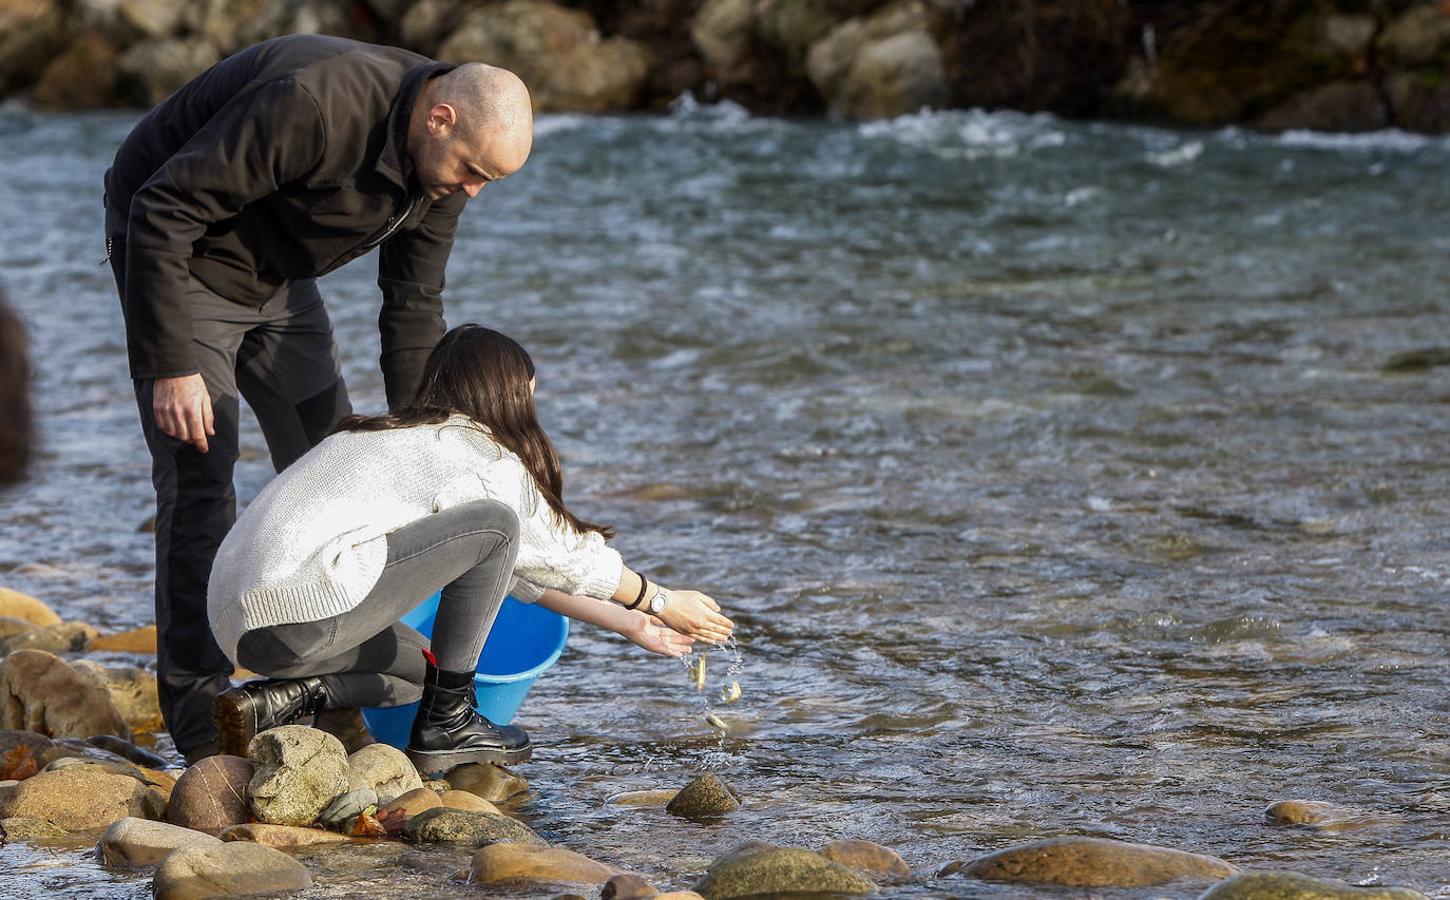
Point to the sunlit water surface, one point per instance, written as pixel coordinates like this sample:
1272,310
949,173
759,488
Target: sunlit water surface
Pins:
1052,472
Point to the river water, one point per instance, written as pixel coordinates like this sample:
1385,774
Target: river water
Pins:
1063,478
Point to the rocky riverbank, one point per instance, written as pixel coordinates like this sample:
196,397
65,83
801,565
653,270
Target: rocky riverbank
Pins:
73,764
1340,65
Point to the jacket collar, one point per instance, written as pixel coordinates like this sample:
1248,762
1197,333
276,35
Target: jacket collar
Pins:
393,161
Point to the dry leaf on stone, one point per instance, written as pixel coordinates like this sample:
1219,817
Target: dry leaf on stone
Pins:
18,764
367,825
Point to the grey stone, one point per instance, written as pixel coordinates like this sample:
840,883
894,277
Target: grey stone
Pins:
211,796
345,806
750,871
299,770
227,869
384,769
705,797
140,843
1090,862
1294,886
459,826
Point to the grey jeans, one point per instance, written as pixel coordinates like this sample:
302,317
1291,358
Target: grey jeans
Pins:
366,656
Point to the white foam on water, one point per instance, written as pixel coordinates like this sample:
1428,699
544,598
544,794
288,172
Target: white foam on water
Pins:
1391,139
558,123
971,134
1182,155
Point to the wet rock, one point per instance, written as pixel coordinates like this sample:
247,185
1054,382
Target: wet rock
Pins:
298,772
442,825
874,860
384,769
879,66
1417,37
23,828
778,870
411,803
118,768
81,797
10,626
10,738
492,782
149,71
226,869
345,807
211,796
127,750
737,59
525,863
466,801
282,837
76,748
1090,862
623,887
1293,886
66,637
1321,815
81,77
40,692
705,797
659,798
137,640
132,690
558,52
1348,106
13,603
678,895
141,843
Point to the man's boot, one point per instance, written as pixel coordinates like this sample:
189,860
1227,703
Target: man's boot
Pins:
448,731
241,713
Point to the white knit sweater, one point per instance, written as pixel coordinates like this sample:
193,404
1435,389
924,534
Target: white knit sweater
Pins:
314,541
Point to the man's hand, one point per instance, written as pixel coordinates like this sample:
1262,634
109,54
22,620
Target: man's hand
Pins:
695,615
182,409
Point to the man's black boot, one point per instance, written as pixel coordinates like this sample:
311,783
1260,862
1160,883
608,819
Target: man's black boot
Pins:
448,731
243,712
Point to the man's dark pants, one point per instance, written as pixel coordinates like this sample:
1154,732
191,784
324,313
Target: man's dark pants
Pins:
282,359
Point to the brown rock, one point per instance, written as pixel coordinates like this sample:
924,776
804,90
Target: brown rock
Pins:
211,796
132,690
11,738
81,77
1091,862
227,869
282,837
1322,816
1348,106
878,862
1418,36
426,23
1294,886
11,626
465,800
31,33
40,692
627,887
493,783
678,895
704,798
384,769
151,18
458,826
522,862
80,797
13,603
412,803
137,640
1421,103
67,637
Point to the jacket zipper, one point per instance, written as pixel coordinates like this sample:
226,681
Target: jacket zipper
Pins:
394,224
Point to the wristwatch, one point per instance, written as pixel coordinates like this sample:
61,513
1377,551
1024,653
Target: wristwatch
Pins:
658,602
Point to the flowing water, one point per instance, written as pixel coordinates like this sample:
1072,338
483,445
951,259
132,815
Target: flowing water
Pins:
1062,478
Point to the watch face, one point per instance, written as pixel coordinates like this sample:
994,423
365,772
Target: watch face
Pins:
657,603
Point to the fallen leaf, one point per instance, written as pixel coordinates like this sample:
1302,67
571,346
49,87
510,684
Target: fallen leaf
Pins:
18,764
368,826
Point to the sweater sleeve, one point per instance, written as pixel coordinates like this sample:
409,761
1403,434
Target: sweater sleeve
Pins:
553,555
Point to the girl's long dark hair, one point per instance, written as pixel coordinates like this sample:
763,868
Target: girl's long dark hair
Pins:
485,375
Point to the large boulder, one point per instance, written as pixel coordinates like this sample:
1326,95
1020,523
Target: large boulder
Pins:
754,871
528,863
83,76
227,869
1091,862
40,692
230,25
704,798
81,797
1418,36
65,637
791,26
147,73
490,781
1420,103
141,843
21,828
298,772
558,52
426,23
211,796
384,769
151,18
880,66
1294,886
31,33
1351,106
442,825
14,603
467,801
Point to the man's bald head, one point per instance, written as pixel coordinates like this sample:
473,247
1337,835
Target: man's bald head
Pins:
470,126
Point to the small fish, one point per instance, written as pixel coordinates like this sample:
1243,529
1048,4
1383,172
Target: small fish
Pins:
699,673
731,693
717,723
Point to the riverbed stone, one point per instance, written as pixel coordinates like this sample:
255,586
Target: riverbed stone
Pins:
1416,37
625,886
81,77
11,738
752,871
706,797
442,825
141,843
1294,886
10,626
490,781
282,837
875,861
133,691
654,798
410,804
129,751
77,798
466,801
23,606
383,768
883,64
1342,106
41,692
137,640
528,863
345,806
65,637
211,796
1321,815
298,772
227,869
150,70
24,828
1090,862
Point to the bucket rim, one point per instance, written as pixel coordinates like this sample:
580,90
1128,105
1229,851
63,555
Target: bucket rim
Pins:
536,671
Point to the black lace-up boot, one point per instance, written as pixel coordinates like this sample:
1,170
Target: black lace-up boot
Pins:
448,731
241,713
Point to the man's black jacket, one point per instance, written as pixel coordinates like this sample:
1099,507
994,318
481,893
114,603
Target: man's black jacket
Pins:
284,161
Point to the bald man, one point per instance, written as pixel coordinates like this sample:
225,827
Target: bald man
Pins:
223,206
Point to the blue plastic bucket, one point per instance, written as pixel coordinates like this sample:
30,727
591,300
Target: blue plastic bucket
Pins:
525,640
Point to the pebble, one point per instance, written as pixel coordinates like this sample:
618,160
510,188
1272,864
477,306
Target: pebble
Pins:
459,826
299,770
525,863
227,869
626,887
704,798
1294,886
1090,862
644,798
140,843
211,796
